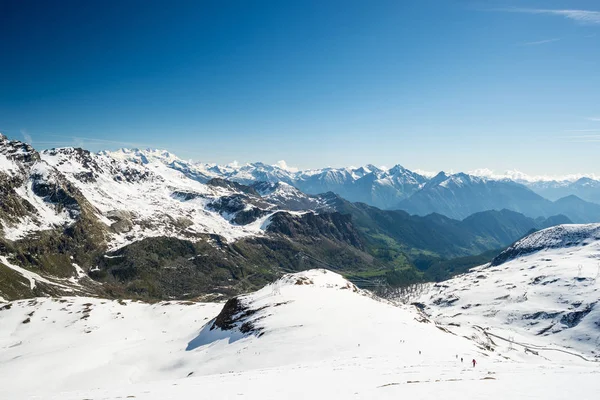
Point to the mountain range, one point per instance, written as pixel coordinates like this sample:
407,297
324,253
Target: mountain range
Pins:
455,195
148,225
525,324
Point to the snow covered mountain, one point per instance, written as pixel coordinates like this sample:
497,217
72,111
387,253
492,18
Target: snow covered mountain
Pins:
383,188
541,294
311,327
63,212
148,224
585,188
460,195
454,195
371,185
308,334
132,195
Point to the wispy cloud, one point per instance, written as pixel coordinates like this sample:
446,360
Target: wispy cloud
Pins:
80,141
538,42
580,16
26,136
595,119
522,176
583,138
582,130
597,136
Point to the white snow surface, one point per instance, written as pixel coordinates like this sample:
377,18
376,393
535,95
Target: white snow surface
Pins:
523,177
319,337
148,193
560,236
549,295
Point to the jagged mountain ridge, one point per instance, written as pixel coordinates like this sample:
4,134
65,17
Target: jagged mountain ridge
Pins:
460,195
137,224
62,210
586,188
455,195
383,188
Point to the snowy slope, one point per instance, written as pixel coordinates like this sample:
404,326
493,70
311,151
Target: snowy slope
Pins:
383,188
312,334
133,194
31,192
313,319
147,199
545,289
77,342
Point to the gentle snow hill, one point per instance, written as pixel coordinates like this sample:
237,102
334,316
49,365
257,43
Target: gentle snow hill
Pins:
310,334
305,320
543,291
55,344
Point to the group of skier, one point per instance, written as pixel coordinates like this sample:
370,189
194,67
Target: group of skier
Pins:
461,359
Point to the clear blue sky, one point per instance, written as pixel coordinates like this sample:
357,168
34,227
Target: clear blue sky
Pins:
428,84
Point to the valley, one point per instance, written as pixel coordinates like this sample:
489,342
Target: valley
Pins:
148,225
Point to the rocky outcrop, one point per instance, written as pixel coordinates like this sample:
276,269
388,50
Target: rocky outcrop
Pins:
334,226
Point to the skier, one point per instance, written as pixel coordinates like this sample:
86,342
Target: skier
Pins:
461,359
474,362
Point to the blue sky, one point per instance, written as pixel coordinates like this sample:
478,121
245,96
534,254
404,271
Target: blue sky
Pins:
453,85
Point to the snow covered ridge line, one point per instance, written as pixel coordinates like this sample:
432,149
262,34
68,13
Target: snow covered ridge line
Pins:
131,199
382,187
246,314
561,236
540,295
149,155
388,188
519,176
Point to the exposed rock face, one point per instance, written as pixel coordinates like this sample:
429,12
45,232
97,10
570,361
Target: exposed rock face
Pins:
573,319
333,225
237,315
234,186
238,208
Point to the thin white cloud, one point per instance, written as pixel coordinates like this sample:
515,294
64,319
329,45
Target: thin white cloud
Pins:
80,141
538,42
428,174
595,119
26,136
580,16
519,176
597,136
283,165
582,138
582,130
